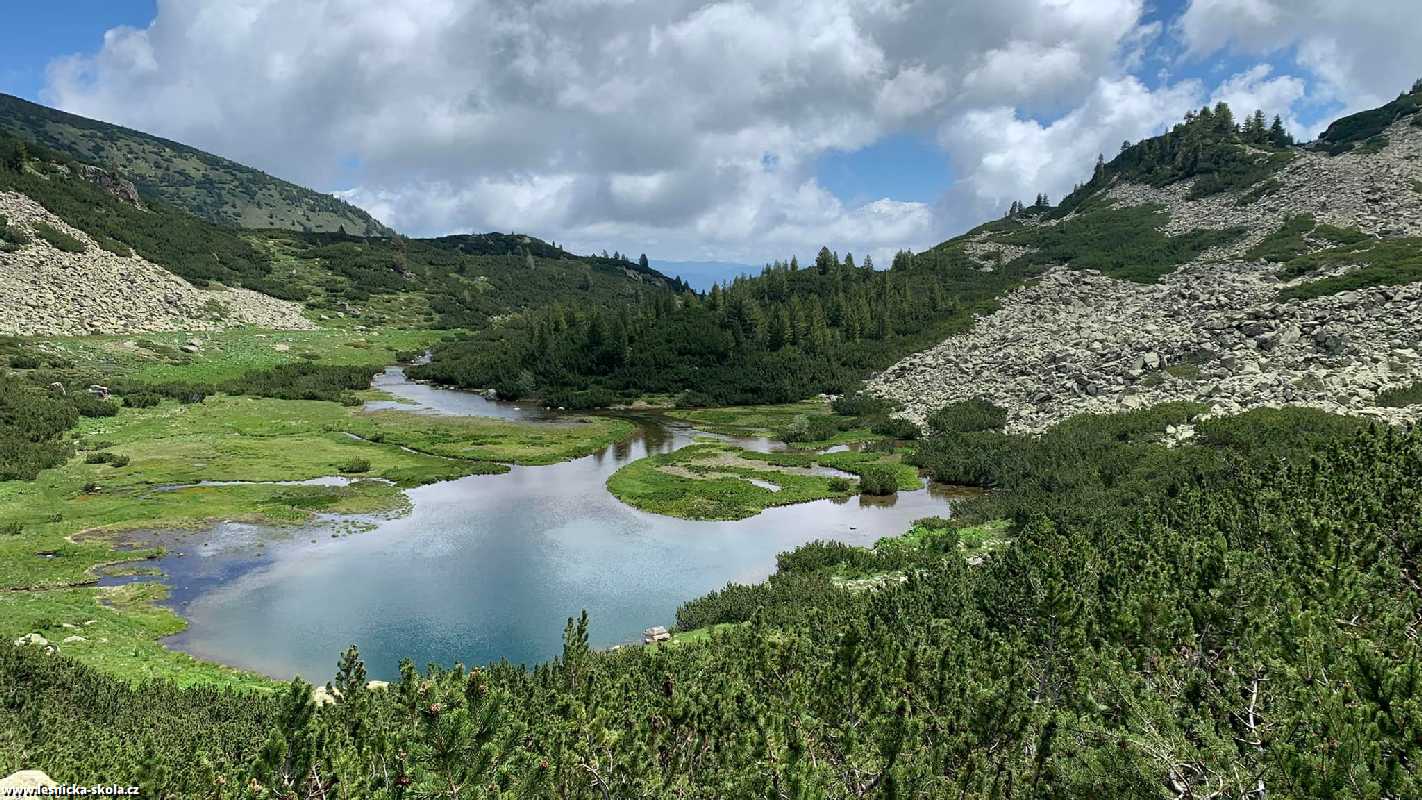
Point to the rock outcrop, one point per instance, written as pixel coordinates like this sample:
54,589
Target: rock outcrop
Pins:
1214,331
113,183
47,292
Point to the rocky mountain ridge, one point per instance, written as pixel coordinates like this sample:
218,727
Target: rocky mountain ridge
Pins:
1246,324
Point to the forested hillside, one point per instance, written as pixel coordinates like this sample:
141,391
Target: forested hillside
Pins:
213,188
784,335
448,282
1236,625
790,333
453,281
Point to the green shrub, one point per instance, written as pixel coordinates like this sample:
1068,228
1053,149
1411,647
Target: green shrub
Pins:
354,466
1403,396
113,245
816,428
839,484
11,237
878,479
1185,372
1372,146
968,416
58,238
1385,262
112,459
1259,192
1285,243
1339,236
863,404
142,400
33,422
294,381
1365,126
90,406
580,400
896,428
1125,243
11,528
25,361
693,399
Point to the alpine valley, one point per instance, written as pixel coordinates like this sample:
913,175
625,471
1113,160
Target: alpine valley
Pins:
1114,497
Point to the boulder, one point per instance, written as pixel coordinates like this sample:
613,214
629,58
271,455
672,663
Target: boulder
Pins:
25,779
32,640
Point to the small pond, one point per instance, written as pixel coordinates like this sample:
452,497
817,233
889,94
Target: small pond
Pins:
486,567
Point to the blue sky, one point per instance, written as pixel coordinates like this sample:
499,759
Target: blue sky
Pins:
37,33
697,130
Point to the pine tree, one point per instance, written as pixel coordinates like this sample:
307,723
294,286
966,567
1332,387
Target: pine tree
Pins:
1278,136
1224,119
1255,128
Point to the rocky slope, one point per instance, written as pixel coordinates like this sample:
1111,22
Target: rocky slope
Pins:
1216,330
47,291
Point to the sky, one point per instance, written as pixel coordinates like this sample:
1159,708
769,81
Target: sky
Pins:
724,131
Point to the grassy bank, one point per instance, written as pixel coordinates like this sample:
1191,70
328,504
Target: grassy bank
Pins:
775,422
117,629
719,481
486,439
151,468
222,355
172,447
763,421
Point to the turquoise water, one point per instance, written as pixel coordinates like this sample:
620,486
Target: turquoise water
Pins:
488,567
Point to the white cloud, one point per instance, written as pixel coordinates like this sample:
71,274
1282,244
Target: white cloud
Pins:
1361,53
686,128
628,124
1003,156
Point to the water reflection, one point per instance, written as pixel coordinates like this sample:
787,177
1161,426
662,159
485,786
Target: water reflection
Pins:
489,567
